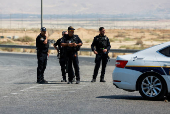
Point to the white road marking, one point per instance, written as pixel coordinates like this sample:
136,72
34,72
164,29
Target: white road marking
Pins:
14,93
52,89
70,91
5,96
60,86
30,88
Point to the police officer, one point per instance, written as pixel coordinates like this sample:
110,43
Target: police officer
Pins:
100,46
42,53
62,56
72,43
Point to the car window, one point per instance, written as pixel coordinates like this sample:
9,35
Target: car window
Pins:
165,51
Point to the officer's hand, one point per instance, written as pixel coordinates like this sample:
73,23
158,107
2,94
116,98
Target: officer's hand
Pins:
105,50
74,44
48,54
45,41
46,34
70,44
95,52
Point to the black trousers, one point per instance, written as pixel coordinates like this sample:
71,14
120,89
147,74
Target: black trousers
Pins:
73,61
62,62
42,63
98,59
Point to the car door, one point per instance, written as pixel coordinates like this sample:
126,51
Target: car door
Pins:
163,57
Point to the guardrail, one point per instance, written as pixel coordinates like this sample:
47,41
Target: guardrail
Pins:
82,49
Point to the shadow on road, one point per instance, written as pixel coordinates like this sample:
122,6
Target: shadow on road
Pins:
49,82
122,97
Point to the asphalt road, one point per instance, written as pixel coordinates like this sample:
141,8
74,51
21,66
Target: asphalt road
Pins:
20,94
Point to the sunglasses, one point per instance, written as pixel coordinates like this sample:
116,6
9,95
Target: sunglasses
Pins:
71,30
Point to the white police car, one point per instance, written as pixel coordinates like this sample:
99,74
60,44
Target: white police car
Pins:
147,71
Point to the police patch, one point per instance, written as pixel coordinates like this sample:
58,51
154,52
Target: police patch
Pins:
42,39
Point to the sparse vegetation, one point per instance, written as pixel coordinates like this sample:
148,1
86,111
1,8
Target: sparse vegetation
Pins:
25,39
121,34
88,41
8,42
128,39
113,39
139,42
132,47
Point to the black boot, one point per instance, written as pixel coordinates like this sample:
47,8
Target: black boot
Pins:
102,80
70,82
78,82
64,80
43,82
93,80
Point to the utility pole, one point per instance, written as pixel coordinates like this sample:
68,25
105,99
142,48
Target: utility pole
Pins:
41,13
22,19
10,21
1,20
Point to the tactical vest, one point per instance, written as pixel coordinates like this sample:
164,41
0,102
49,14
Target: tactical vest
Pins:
72,49
102,42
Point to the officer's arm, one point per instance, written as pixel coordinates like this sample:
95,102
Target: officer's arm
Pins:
92,45
55,47
46,40
108,45
64,44
79,44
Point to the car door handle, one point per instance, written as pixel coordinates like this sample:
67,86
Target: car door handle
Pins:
166,64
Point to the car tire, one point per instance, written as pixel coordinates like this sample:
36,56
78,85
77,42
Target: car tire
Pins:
152,87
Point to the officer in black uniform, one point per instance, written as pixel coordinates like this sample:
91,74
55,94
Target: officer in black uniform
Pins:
42,53
62,56
72,43
100,46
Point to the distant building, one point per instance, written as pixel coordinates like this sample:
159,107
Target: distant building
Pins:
15,37
9,37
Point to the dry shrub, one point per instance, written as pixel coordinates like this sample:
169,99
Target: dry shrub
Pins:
139,42
121,34
88,41
25,39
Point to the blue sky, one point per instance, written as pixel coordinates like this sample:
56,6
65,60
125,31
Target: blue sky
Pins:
86,6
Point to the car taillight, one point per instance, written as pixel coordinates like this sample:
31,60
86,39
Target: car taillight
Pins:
121,63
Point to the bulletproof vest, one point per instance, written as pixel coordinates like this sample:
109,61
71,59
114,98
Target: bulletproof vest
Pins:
72,40
102,42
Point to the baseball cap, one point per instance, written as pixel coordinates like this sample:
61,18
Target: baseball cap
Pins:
70,28
43,29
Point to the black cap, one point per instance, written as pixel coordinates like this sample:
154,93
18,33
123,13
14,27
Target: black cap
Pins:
43,29
70,28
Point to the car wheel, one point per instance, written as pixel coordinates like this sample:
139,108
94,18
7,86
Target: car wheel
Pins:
152,87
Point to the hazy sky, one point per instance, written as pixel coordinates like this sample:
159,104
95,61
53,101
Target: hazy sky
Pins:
85,6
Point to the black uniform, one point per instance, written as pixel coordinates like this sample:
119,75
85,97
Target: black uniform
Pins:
62,58
72,59
99,44
42,50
